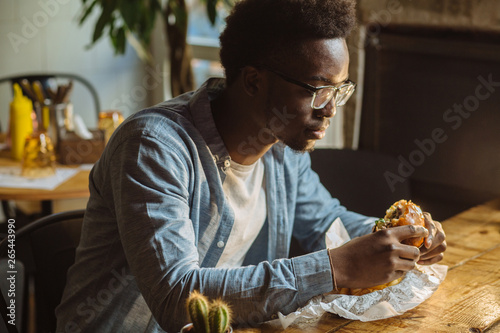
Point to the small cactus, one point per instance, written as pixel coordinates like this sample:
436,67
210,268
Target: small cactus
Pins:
219,317
197,306
213,318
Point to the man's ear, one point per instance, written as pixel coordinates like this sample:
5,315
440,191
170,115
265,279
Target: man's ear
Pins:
252,80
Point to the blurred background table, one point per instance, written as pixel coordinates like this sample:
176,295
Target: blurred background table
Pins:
467,301
75,187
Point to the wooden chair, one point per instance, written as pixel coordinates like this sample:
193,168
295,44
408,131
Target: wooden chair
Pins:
46,247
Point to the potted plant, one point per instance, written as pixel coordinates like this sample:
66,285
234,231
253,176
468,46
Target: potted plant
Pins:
134,21
207,317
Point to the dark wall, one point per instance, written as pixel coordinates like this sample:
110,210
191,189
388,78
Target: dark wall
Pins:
432,100
356,178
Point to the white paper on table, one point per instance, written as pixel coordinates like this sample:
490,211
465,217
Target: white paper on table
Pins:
417,286
86,167
11,177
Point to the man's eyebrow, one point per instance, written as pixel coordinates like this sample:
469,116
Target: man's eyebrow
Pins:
328,81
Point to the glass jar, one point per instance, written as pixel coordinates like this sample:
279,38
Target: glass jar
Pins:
108,122
39,159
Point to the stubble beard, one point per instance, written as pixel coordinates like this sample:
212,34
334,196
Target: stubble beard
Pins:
293,142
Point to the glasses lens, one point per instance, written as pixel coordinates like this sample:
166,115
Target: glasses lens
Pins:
322,97
343,94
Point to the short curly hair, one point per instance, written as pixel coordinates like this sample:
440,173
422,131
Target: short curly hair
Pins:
259,30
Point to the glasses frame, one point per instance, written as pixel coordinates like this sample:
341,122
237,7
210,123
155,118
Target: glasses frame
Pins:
314,89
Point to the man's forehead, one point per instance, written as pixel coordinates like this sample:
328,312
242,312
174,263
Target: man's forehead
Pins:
324,60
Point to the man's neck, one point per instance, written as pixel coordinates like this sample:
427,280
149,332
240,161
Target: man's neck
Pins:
241,124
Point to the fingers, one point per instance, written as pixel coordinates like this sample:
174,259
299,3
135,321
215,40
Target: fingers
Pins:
408,231
431,260
406,265
403,257
434,255
372,259
429,224
438,244
409,252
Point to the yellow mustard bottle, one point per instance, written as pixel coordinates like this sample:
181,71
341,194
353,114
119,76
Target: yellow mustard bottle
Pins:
21,125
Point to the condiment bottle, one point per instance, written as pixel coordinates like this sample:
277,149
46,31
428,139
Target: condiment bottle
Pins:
21,125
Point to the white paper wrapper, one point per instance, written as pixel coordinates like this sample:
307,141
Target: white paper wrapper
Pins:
417,286
336,235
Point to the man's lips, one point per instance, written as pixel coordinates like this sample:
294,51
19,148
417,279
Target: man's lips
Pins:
318,129
318,132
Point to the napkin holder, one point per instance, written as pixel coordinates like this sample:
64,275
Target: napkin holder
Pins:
74,150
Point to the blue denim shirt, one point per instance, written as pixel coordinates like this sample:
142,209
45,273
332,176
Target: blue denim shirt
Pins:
157,222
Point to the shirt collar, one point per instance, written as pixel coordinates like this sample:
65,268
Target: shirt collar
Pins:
201,113
203,120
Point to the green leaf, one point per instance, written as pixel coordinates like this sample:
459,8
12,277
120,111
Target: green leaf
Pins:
120,41
131,13
212,10
148,19
98,29
105,19
86,11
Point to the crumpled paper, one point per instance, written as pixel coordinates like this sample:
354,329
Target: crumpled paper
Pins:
417,286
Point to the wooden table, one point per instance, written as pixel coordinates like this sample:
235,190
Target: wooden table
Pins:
467,301
74,187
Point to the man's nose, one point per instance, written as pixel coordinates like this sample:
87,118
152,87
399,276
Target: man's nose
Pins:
328,111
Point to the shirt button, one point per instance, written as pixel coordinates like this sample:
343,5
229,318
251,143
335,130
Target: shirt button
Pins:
227,163
220,244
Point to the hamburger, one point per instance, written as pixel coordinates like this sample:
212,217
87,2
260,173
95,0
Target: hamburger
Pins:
400,213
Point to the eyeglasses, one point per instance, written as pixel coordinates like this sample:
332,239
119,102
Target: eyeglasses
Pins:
324,94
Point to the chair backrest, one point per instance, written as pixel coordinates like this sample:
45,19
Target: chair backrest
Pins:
44,78
52,241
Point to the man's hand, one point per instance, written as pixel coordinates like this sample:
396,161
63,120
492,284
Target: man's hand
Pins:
434,243
377,258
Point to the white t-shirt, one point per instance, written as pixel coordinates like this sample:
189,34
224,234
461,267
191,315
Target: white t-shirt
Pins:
245,190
